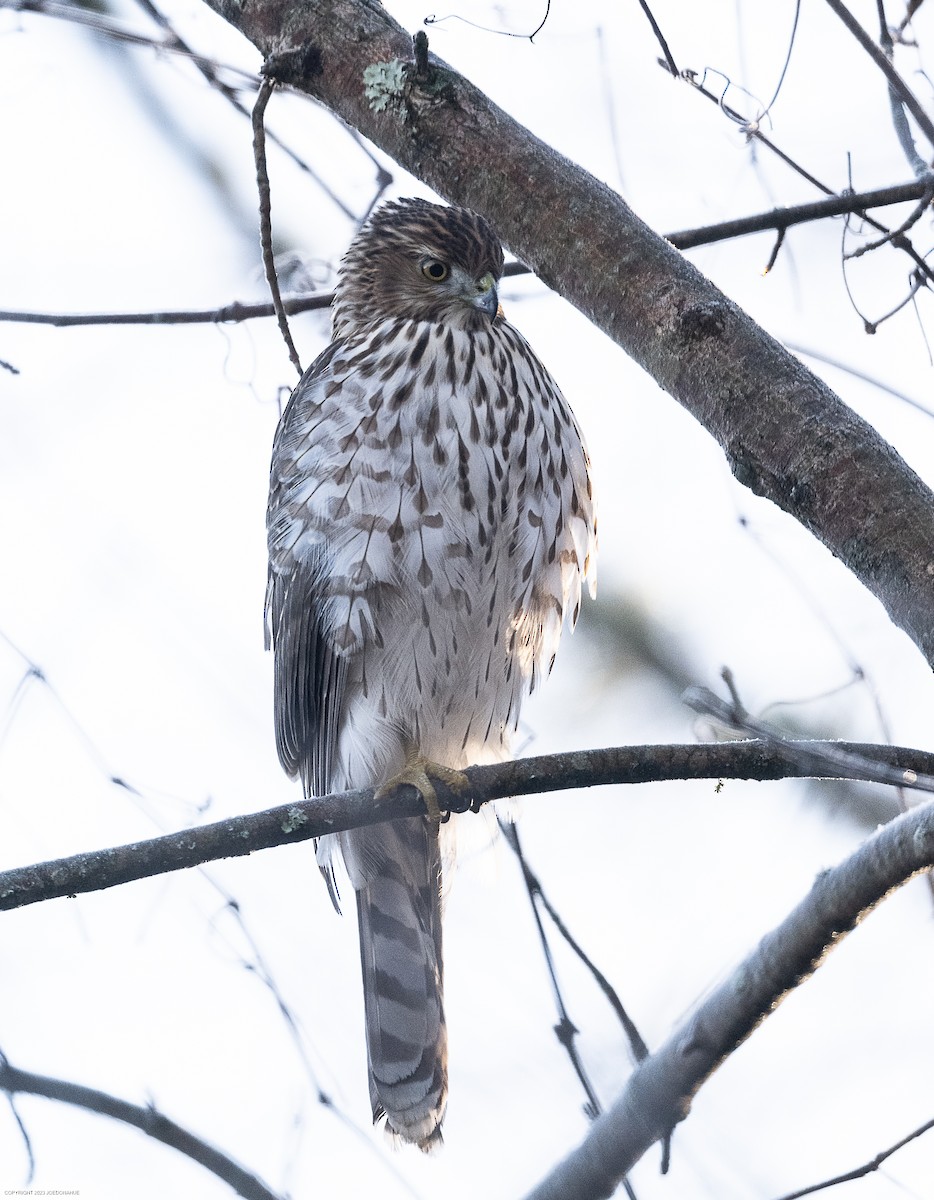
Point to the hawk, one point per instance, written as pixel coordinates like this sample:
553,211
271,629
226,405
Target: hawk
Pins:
430,524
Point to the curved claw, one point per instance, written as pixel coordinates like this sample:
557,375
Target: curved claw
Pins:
419,772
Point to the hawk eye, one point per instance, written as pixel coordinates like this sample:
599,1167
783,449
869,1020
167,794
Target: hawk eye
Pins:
435,270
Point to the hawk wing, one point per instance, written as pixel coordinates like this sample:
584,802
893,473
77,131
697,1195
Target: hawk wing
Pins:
309,676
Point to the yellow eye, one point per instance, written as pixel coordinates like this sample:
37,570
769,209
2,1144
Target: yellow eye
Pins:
435,270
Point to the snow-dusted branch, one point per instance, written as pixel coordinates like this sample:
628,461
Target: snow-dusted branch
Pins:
659,1092
100,869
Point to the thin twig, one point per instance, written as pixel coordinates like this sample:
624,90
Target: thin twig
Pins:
779,242
784,218
109,28
230,95
836,363
27,1140
149,1120
781,79
660,38
885,34
434,20
901,243
265,215
899,119
383,177
636,1042
304,819
866,1169
916,284
226,314
911,9
660,1090
913,217
820,759
757,135
685,239
566,1031
904,92
905,140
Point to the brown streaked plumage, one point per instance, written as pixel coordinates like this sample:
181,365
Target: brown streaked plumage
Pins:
430,525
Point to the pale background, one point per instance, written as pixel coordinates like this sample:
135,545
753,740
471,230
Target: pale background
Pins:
133,474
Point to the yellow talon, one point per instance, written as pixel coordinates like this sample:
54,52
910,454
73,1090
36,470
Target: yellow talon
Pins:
417,772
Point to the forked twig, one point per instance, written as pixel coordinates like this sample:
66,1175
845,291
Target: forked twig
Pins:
566,1031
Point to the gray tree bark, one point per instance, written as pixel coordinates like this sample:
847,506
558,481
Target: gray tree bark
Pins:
785,434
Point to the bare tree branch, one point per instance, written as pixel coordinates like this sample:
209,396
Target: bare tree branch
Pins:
816,210
921,168
866,1169
899,240
565,1030
910,10
668,59
916,284
112,29
149,1120
696,80
433,20
821,759
913,217
227,314
265,217
100,869
684,239
637,1046
659,1092
232,98
785,434
896,83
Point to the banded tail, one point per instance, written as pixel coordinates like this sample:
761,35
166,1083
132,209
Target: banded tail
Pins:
399,914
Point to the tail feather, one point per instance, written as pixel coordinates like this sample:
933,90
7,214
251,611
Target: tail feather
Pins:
399,914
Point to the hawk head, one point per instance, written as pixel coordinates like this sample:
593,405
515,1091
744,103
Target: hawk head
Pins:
418,261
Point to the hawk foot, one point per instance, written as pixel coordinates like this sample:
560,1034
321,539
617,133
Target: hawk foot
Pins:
419,772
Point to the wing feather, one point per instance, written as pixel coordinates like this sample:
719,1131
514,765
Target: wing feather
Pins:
309,675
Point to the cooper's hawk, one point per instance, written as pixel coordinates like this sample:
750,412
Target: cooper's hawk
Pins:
430,523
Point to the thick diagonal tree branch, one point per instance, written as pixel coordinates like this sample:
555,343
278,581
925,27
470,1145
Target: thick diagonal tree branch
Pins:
786,435
100,869
659,1092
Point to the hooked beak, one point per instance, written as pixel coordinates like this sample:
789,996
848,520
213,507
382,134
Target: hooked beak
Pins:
487,299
